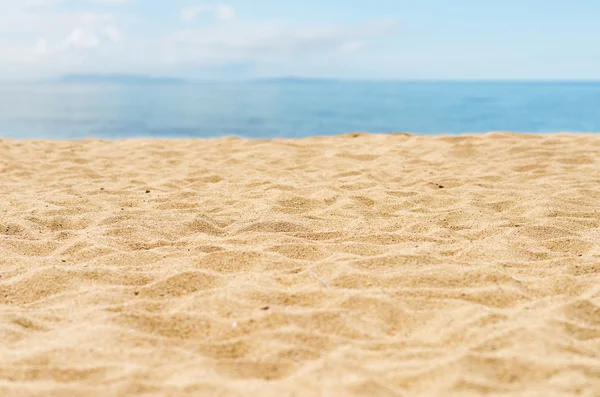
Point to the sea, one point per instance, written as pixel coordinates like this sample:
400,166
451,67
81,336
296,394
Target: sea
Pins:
268,109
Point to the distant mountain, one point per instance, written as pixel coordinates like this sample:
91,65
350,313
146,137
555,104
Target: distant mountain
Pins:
292,79
120,78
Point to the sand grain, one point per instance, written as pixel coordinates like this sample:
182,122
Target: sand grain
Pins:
377,265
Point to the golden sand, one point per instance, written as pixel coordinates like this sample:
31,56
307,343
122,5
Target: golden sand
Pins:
376,265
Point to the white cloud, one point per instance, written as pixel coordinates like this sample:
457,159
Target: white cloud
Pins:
352,46
225,12
42,47
221,12
112,32
79,39
110,2
258,40
39,39
36,38
8,5
88,31
190,13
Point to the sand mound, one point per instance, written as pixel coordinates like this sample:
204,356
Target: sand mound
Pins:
375,265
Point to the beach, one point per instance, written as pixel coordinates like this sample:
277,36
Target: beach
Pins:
356,264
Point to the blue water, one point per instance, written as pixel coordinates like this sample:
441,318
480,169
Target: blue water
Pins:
294,109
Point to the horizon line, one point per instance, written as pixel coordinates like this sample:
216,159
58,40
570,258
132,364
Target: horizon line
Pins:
123,78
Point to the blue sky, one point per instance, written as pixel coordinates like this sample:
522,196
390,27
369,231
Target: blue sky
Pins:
379,39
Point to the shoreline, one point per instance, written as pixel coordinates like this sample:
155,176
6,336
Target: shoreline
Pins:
341,135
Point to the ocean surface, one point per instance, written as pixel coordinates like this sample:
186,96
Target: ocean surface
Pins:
294,109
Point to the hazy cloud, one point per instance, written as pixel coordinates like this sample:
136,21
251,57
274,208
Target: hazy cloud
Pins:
112,32
38,37
79,38
11,5
221,12
263,39
352,46
225,12
111,2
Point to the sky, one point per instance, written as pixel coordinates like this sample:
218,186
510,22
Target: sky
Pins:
366,39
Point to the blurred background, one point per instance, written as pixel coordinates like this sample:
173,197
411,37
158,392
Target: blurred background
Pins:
266,68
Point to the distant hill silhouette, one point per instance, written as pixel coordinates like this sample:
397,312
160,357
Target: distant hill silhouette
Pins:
293,79
120,78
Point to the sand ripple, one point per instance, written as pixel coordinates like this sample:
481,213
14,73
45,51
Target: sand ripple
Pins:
377,265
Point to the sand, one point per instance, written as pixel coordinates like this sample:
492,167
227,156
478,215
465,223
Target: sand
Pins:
375,265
